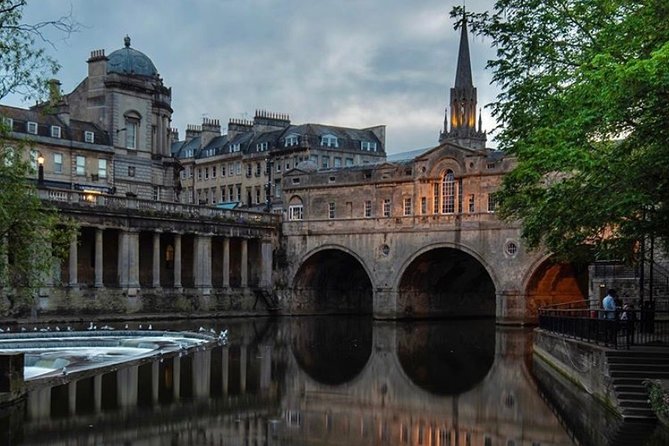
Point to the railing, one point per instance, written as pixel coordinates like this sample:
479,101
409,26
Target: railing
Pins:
159,207
621,328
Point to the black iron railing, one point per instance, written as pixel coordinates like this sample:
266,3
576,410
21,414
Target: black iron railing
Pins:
622,328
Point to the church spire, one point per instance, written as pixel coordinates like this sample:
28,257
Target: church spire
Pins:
462,118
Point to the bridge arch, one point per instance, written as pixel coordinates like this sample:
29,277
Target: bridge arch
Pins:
446,280
333,279
548,281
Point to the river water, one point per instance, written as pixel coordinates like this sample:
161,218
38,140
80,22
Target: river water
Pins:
320,381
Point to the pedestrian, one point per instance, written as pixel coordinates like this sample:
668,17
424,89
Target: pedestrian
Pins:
609,304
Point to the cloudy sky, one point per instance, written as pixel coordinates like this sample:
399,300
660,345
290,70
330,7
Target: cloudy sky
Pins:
354,63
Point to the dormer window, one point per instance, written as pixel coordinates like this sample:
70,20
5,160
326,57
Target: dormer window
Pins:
291,140
262,146
329,141
368,146
234,148
31,127
55,131
89,137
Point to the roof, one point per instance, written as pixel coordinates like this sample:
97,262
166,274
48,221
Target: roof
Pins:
130,62
407,156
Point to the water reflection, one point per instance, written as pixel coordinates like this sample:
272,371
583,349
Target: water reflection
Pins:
307,381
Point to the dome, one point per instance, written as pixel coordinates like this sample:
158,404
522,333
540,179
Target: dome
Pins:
129,61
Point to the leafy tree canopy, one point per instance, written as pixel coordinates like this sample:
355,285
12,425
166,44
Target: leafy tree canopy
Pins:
31,234
585,110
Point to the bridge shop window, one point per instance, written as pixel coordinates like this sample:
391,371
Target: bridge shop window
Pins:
448,193
295,209
408,208
472,204
423,205
331,209
58,163
368,208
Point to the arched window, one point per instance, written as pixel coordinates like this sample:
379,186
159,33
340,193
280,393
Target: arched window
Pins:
295,209
448,193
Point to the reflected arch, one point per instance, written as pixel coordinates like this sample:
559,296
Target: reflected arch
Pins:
332,350
444,281
335,281
446,358
553,282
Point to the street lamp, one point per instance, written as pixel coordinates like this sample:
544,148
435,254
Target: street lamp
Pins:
40,168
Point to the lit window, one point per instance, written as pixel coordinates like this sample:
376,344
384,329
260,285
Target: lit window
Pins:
331,210
89,137
58,163
295,212
31,127
368,208
386,207
55,131
407,206
329,141
102,168
81,165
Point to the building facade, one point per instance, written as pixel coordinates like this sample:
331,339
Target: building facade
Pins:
245,166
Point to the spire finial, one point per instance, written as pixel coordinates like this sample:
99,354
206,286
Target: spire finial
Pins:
126,41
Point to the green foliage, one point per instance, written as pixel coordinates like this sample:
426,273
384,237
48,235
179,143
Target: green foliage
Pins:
658,398
585,110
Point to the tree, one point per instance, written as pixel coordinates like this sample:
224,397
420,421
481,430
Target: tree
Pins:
585,110
31,233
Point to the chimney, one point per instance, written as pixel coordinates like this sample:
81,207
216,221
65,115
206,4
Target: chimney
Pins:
237,126
193,131
54,91
211,128
174,134
266,121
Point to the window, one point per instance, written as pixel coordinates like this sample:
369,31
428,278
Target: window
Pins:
239,193
231,193
349,162
89,137
291,140
206,173
407,206
329,141
492,202
199,173
368,208
295,212
81,165
131,171
278,165
262,146
33,159
222,170
55,131
296,180
57,163
257,195
423,205
448,193
102,168
213,171
31,127
249,170
471,206
368,146
258,169
189,169
331,209
131,126
156,193
386,207
490,165
325,162
337,161
238,168
234,147
287,165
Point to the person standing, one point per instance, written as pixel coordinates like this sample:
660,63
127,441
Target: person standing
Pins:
609,304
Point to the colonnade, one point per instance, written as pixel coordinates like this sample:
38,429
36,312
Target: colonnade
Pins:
134,259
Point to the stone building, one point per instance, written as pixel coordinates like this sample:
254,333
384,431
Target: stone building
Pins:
111,134
245,166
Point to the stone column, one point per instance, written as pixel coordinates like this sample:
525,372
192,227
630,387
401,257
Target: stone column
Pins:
98,258
156,260
72,397
177,260
97,393
176,377
39,403
123,259
74,260
245,263
126,386
133,259
265,264
202,261
226,262
385,303
155,381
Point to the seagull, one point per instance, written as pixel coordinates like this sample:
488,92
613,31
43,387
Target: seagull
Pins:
57,328
64,371
212,331
201,329
1,330
23,328
150,327
69,328
90,327
126,326
140,326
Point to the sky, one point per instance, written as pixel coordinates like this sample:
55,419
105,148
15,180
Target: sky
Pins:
350,63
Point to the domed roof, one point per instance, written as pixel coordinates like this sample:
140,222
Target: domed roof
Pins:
129,61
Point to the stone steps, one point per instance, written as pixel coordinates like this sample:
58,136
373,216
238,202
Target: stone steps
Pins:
629,369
